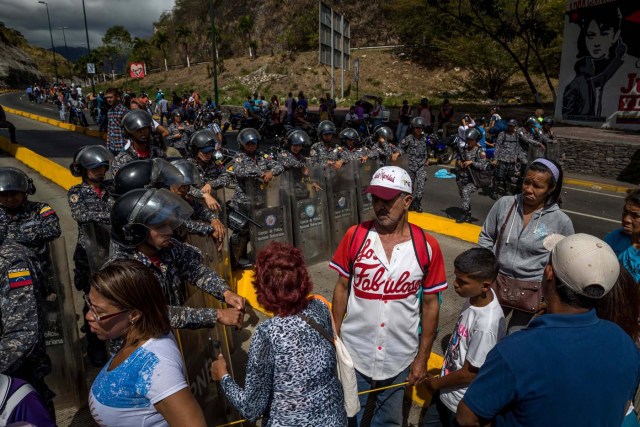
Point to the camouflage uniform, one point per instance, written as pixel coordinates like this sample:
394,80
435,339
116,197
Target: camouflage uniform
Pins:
200,221
525,140
416,149
130,154
505,154
551,144
179,143
295,163
463,177
87,206
174,267
212,173
22,343
354,154
34,225
383,152
320,154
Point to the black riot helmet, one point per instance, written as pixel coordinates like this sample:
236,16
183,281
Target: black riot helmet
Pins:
248,136
326,127
176,113
472,133
137,119
148,173
207,117
13,179
189,172
298,137
548,121
418,122
203,140
349,133
139,210
90,157
531,121
384,132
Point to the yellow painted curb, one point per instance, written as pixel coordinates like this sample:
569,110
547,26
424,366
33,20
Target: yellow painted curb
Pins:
446,226
45,167
598,185
58,123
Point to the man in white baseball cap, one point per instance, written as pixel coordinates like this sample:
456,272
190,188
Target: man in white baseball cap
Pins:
384,266
568,367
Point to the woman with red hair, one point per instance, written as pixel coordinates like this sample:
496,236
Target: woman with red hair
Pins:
291,371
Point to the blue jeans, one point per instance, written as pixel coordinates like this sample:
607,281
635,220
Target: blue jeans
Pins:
401,131
384,408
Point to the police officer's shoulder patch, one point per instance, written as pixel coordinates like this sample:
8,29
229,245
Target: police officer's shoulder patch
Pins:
19,277
74,198
238,159
46,211
312,153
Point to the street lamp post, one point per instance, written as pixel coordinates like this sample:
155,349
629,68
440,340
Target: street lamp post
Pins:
53,50
86,30
215,56
66,50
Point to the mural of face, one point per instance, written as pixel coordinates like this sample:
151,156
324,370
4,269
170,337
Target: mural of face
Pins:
599,40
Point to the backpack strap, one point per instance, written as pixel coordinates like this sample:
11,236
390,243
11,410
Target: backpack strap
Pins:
357,241
420,248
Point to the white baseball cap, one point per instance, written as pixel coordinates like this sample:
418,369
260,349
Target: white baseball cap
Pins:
582,260
388,182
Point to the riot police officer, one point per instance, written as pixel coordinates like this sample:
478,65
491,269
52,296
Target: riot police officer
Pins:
382,148
414,146
352,148
207,157
32,224
148,173
143,222
505,160
250,168
179,132
293,160
144,143
548,138
472,156
90,202
324,152
203,221
22,343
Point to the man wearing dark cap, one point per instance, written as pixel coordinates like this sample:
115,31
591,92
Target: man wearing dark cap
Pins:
568,367
390,272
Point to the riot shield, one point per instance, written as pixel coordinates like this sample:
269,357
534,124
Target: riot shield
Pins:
553,152
97,243
535,152
270,209
309,213
402,162
343,200
365,173
67,379
200,347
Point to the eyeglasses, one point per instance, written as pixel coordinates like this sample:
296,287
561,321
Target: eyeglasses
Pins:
96,316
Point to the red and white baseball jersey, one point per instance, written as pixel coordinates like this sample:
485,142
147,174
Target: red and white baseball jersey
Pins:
380,328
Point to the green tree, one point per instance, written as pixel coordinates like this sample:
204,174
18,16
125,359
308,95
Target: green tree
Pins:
511,24
140,51
183,35
161,40
117,42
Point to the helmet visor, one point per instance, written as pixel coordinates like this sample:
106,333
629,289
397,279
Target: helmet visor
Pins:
161,208
189,172
165,173
95,156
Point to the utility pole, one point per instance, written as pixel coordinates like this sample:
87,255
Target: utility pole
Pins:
66,51
53,50
214,54
86,29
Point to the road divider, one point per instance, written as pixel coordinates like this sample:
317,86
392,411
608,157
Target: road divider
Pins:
58,123
45,167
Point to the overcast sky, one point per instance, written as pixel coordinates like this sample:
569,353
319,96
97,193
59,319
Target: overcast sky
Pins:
30,18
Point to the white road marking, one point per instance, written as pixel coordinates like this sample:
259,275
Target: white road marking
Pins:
617,221
594,192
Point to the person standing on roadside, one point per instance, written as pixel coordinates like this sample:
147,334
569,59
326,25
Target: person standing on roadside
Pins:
415,147
290,104
163,109
7,124
630,257
115,133
404,119
390,273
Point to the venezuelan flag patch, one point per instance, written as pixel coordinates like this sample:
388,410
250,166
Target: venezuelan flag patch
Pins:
46,211
19,277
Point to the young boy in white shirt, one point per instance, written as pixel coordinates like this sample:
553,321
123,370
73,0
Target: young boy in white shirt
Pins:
480,326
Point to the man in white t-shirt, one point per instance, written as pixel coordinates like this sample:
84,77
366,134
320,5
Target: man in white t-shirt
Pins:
480,326
390,273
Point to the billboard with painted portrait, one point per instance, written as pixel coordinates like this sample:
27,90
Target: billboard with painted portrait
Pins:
600,68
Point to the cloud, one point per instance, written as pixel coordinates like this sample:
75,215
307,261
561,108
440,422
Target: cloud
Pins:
30,18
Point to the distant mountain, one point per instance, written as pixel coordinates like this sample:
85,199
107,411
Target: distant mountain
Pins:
74,52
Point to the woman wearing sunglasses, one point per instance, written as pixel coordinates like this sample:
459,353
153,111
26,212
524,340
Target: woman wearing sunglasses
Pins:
144,382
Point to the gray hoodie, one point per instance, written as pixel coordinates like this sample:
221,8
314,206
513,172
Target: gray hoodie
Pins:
522,255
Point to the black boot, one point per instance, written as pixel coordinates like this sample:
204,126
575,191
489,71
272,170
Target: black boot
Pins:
466,217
